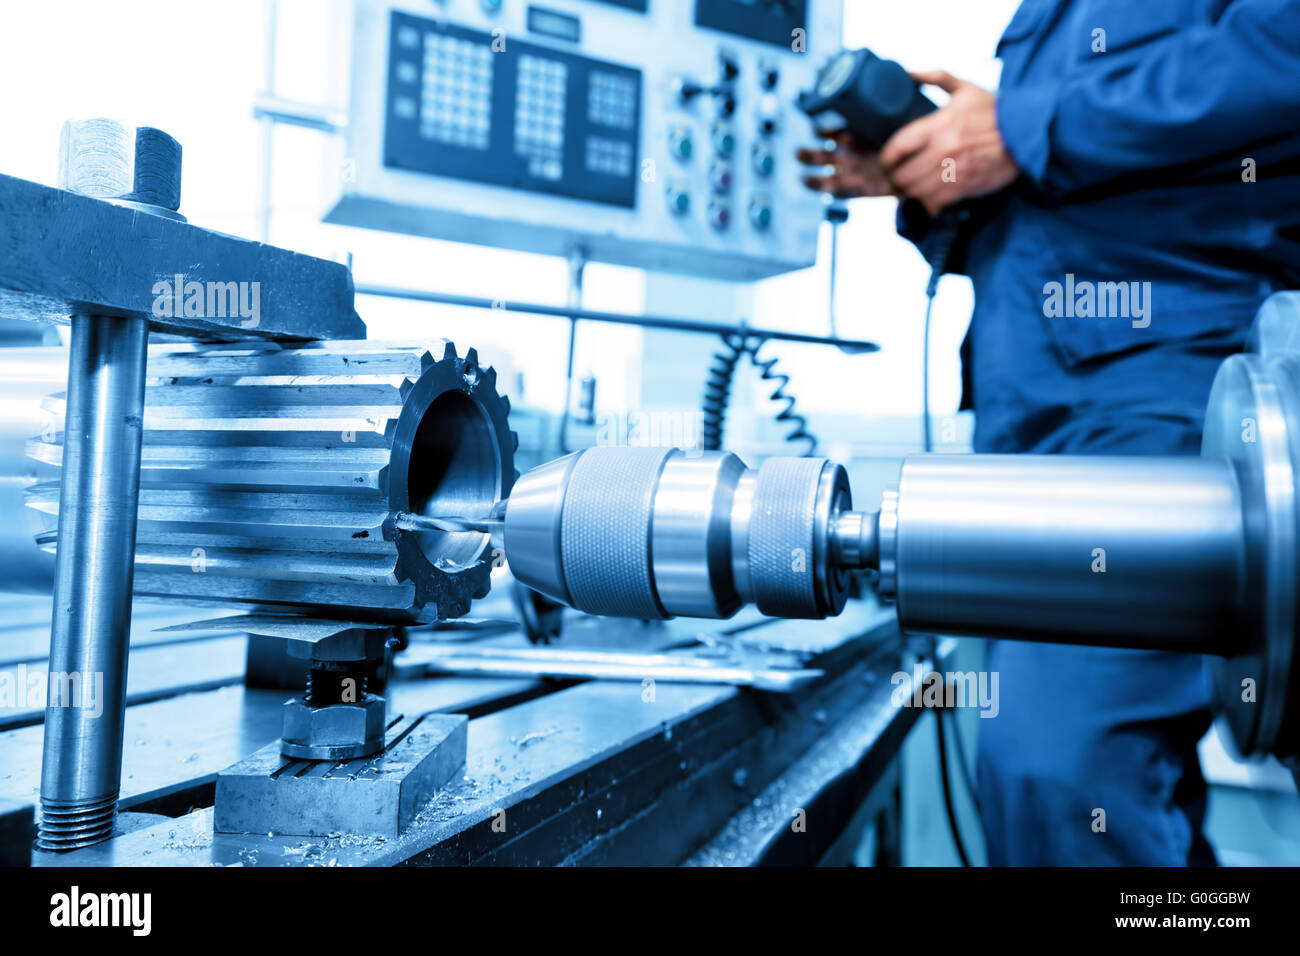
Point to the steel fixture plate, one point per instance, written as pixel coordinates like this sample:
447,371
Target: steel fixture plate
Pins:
369,796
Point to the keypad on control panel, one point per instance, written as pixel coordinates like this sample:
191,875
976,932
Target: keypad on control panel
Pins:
539,115
456,99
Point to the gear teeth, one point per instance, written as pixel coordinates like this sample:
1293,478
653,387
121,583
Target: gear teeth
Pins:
514,441
281,467
491,376
505,402
472,356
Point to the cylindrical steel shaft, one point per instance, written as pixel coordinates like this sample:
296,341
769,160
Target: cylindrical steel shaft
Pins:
1126,552
90,631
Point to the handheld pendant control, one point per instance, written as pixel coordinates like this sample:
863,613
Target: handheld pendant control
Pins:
872,97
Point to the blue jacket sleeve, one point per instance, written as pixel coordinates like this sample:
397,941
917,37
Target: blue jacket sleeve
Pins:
1201,92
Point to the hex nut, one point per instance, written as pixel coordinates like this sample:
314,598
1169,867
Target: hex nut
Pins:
338,725
106,159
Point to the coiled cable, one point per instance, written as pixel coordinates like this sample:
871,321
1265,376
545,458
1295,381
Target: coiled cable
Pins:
717,391
717,388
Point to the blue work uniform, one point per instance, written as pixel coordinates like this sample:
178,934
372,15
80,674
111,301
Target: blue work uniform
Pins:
1159,144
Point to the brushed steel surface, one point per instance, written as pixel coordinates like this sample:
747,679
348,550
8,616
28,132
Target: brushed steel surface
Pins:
90,630
654,532
376,795
1124,552
53,264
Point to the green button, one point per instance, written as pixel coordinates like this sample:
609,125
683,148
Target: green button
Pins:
764,163
684,147
681,202
726,143
762,217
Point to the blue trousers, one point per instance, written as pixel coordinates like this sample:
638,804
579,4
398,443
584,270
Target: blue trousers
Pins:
1092,758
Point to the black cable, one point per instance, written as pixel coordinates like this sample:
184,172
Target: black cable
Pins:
927,440
717,389
938,249
717,392
767,373
966,780
948,805
837,214
563,438
947,789
577,270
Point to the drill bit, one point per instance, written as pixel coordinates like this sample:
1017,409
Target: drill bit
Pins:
490,523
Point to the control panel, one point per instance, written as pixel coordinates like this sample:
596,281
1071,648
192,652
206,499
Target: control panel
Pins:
651,133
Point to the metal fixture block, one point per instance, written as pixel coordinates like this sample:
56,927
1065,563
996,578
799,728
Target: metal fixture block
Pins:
63,254
373,796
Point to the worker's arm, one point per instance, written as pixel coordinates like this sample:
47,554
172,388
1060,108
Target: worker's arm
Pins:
1204,91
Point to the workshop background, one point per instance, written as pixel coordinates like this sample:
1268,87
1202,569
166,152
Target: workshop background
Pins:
248,175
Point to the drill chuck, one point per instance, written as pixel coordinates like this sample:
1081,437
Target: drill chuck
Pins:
657,532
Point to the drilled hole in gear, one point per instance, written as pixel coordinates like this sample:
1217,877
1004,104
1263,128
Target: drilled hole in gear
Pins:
454,471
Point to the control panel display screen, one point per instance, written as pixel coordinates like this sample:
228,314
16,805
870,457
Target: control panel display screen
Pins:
640,6
768,21
515,114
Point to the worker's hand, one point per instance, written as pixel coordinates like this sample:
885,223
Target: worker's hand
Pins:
854,168
952,154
